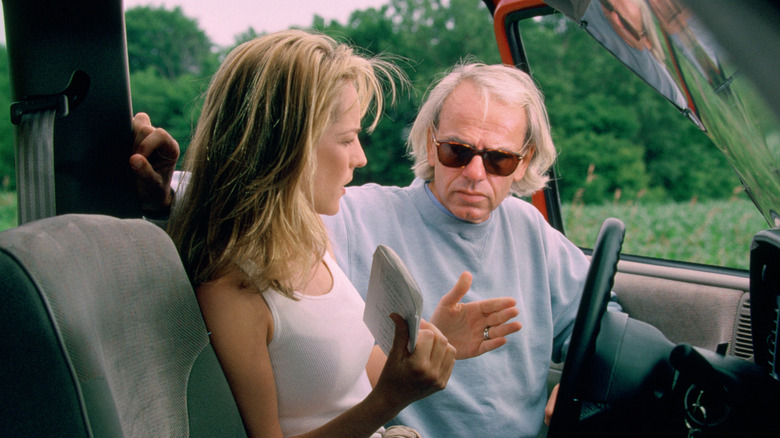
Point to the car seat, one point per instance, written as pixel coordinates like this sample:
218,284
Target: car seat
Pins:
102,335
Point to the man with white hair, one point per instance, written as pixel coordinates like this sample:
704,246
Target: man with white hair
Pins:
481,136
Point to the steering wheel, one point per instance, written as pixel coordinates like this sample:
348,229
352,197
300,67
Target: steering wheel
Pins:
595,297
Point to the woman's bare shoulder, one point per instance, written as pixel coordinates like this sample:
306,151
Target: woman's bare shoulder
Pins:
231,302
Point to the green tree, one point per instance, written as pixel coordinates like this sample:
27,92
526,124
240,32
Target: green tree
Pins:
608,125
171,61
372,31
167,41
171,103
242,37
602,157
595,104
424,37
610,172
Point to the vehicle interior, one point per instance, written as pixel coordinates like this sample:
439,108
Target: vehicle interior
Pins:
106,338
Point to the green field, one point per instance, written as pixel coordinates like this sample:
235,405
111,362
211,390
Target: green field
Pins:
7,210
712,232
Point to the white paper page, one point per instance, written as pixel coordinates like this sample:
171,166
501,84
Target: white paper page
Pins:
391,289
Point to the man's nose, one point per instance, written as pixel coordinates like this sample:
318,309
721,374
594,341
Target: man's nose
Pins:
475,169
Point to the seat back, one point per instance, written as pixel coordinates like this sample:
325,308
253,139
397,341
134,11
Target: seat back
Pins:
103,335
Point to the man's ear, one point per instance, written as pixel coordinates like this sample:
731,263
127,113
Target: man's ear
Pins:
431,148
523,166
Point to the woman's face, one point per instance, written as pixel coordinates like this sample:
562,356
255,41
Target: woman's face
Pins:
338,154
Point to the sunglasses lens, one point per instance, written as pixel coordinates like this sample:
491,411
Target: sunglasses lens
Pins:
458,155
500,163
454,155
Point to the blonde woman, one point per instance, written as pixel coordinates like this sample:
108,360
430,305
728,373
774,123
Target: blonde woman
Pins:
275,145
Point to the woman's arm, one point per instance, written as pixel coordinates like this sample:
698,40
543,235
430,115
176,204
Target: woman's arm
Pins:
241,326
406,377
376,362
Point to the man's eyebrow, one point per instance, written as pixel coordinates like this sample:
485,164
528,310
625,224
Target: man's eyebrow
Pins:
456,139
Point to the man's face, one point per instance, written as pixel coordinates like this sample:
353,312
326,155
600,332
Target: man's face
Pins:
469,192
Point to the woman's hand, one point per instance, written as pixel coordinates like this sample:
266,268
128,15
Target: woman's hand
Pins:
465,324
407,377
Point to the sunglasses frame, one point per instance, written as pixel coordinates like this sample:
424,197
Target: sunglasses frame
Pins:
474,151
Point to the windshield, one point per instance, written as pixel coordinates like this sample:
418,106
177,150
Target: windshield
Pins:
665,44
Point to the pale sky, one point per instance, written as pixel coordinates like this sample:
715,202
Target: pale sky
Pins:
223,19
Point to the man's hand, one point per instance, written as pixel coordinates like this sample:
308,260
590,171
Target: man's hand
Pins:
153,160
548,410
464,324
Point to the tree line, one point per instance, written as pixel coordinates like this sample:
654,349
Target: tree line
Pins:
618,140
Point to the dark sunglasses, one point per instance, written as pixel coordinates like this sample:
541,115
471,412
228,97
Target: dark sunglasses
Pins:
496,162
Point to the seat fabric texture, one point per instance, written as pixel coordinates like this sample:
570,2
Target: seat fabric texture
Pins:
105,332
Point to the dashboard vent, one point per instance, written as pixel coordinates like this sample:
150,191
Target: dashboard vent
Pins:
743,334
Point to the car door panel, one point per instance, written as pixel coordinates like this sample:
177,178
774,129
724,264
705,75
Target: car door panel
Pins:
688,306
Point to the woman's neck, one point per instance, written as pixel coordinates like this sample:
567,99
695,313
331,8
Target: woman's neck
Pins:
320,280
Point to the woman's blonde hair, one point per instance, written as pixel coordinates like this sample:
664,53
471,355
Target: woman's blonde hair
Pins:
248,202
505,84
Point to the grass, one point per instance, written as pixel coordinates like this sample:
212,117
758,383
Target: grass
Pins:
712,232
7,210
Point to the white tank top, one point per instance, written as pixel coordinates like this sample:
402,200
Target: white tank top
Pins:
319,352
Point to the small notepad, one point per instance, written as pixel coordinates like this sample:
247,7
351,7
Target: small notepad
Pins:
391,289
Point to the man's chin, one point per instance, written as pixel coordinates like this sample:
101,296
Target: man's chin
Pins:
471,214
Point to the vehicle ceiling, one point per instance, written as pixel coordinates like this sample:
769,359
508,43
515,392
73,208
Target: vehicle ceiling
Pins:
716,61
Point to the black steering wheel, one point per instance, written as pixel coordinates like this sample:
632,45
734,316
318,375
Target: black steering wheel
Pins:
595,297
